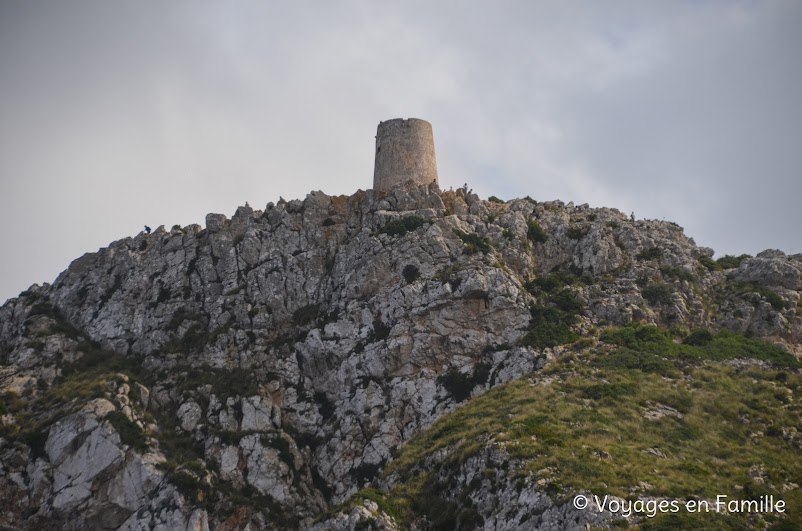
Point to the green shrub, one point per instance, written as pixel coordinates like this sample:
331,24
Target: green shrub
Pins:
130,433
731,262
535,232
384,502
550,324
556,280
773,298
567,301
547,283
410,273
494,199
97,361
35,439
306,314
745,288
328,222
608,390
283,447
548,334
43,307
448,275
460,385
577,232
549,327
710,521
399,227
457,384
63,327
648,340
627,358
473,242
678,274
698,338
380,331
709,263
189,485
224,382
195,338
640,337
729,345
652,253
658,294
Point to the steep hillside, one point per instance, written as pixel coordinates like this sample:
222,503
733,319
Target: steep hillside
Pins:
259,370
635,418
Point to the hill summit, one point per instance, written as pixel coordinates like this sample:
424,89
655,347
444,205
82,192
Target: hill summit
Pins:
410,359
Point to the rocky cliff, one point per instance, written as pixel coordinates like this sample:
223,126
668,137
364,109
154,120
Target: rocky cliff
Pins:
254,373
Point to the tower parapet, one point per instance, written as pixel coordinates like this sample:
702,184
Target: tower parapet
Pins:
404,152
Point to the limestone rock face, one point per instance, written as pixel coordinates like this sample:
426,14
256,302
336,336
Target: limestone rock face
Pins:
250,374
188,415
772,268
498,501
367,515
87,476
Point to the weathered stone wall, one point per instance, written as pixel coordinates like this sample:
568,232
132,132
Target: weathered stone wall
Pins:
404,152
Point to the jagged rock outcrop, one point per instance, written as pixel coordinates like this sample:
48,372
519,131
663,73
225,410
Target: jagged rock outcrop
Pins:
771,268
281,357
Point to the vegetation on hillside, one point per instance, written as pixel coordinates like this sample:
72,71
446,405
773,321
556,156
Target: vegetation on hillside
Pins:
99,373
642,414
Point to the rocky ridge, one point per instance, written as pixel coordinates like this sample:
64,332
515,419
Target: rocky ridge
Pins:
251,373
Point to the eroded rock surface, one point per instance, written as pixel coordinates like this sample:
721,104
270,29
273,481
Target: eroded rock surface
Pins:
281,357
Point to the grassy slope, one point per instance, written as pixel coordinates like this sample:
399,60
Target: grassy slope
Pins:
581,425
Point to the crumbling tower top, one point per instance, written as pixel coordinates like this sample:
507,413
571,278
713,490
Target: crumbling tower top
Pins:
404,152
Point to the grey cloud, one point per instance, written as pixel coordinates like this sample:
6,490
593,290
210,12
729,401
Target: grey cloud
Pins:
121,114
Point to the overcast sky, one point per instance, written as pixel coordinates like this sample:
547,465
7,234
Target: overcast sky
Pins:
114,115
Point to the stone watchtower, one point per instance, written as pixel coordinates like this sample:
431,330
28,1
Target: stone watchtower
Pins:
404,152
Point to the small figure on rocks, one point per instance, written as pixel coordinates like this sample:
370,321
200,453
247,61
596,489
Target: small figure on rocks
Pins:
147,229
632,216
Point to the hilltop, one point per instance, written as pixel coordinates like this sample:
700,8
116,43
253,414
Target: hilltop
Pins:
388,359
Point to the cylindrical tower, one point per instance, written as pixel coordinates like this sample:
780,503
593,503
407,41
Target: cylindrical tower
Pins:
404,152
